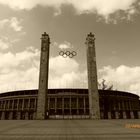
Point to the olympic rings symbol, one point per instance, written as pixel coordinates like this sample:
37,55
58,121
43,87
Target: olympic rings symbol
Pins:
67,54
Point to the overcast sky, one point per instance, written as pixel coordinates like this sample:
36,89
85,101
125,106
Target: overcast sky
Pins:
115,23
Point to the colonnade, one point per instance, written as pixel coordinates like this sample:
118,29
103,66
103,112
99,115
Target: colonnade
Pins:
18,108
64,105
68,106
121,109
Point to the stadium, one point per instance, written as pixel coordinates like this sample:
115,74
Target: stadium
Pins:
69,104
90,103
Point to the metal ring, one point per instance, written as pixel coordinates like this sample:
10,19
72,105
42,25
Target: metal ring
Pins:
61,53
67,53
71,55
74,53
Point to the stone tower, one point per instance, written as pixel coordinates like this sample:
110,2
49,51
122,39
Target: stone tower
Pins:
43,77
94,111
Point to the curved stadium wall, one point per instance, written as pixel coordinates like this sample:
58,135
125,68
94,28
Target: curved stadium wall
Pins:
69,104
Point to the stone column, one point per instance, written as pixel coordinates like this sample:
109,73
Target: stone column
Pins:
29,104
138,114
17,104
130,107
132,114
94,111
4,104
101,115
12,104
18,115
43,77
116,115
55,105
48,103
84,106
62,105
8,104
0,104
114,105
124,108
109,115
34,115
35,104
26,116
70,105
127,105
123,105
10,115
119,105
124,115
77,105
3,115
23,105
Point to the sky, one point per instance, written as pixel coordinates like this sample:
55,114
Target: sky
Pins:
115,23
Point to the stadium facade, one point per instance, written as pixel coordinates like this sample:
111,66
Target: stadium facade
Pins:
88,103
69,104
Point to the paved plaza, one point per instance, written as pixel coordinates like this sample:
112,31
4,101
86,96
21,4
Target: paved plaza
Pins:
70,129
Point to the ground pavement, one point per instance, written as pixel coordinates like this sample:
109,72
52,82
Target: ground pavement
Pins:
70,129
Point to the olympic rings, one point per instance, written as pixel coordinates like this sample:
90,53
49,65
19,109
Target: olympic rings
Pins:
67,54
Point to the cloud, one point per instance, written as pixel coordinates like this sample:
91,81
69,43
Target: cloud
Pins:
4,43
19,80
11,60
65,73
19,70
15,24
103,8
60,65
123,77
65,45
12,22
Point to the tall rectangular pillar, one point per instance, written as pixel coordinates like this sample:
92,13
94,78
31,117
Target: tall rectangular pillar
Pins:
55,105
138,114
84,106
70,105
77,102
124,115
34,115
3,116
116,115
43,77
18,115
132,114
62,105
10,115
101,115
26,116
109,115
17,104
94,111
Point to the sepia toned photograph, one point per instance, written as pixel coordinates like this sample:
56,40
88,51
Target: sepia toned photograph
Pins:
69,69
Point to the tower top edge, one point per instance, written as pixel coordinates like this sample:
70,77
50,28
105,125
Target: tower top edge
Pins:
90,34
90,39
45,36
